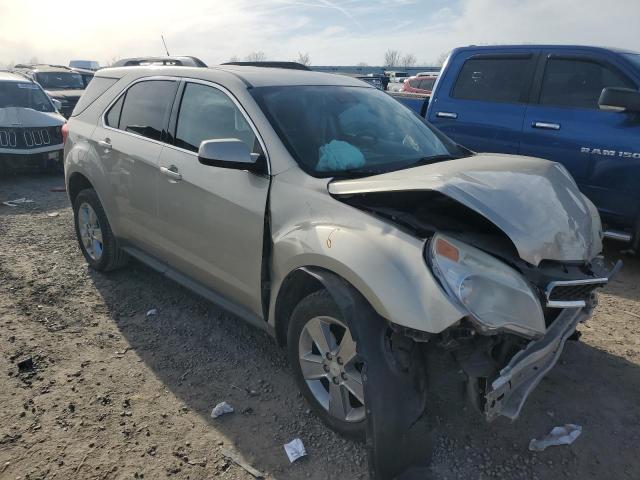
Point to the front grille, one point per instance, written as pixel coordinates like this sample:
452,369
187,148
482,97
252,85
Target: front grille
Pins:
572,291
30,138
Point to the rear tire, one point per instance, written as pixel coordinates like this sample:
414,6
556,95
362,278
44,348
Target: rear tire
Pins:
97,242
326,367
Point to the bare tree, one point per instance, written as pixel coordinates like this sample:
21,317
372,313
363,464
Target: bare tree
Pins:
34,60
304,59
362,64
441,58
235,58
258,56
408,60
111,61
391,58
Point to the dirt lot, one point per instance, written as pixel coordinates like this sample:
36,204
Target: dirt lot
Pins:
116,394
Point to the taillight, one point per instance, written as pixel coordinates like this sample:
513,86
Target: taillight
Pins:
65,133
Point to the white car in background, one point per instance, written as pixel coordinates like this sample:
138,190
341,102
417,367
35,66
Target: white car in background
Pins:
30,126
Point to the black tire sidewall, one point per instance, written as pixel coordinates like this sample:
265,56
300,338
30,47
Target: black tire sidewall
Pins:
90,197
315,305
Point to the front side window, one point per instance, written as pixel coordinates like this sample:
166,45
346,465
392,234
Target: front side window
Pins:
207,113
144,109
60,80
578,83
493,79
350,131
24,95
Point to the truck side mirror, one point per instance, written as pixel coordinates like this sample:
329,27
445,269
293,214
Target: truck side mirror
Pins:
619,99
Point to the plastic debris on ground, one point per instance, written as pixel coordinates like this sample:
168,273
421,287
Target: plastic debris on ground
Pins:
53,214
295,449
152,312
239,461
17,201
564,435
221,409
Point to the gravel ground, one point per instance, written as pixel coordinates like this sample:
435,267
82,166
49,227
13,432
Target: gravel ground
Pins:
117,394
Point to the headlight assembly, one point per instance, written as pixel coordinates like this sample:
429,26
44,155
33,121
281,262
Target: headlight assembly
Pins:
496,296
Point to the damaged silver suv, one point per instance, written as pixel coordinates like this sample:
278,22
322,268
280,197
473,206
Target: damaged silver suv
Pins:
383,256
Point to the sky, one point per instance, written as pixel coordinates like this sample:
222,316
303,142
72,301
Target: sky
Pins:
332,32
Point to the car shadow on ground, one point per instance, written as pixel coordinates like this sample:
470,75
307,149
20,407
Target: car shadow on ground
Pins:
36,187
204,355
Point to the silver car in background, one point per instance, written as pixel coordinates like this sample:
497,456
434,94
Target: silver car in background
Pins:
385,258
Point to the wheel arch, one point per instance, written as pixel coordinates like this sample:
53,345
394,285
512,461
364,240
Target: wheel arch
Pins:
77,182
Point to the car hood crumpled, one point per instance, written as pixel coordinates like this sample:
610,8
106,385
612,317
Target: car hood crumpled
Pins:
18,117
535,202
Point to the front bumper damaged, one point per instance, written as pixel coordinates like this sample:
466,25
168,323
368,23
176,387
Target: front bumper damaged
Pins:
508,392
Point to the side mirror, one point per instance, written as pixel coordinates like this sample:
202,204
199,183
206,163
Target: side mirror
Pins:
227,153
57,104
619,99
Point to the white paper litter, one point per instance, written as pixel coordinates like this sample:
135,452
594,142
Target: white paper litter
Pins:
221,409
17,201
564,435
53,214
153,311
295,449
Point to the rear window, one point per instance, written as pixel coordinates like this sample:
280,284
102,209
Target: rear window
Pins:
94,90
493,79
60,80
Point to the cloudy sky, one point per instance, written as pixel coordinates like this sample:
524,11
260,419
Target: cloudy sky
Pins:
333,32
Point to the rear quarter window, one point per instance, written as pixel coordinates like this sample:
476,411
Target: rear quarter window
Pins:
94,90
493,79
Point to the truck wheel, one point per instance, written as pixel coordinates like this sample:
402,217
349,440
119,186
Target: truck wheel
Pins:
327,369
97,242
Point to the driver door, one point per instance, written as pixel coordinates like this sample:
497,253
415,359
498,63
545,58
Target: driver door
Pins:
213,217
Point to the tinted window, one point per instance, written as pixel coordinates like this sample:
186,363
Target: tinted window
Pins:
427,83
113,117
493,79
60,80
97,88
578,83
206,113
332,130
146,108
24,95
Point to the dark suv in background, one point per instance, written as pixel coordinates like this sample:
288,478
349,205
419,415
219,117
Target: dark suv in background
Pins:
60,83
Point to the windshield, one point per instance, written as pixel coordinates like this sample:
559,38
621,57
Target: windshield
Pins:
24,95
60,80
343,131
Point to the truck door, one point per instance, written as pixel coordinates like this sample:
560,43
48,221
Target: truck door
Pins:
563,123
481,101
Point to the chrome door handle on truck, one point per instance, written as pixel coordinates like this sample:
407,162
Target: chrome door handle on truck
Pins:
546,125
446,115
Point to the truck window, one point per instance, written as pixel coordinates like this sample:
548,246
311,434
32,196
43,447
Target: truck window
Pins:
578,83
493,79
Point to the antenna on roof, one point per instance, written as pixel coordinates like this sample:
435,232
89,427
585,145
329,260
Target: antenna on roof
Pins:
165,45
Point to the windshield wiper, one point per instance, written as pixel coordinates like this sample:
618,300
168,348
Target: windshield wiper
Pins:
434,159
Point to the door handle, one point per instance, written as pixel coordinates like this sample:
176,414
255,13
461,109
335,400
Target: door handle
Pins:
106,144
447,114
546,125
171,172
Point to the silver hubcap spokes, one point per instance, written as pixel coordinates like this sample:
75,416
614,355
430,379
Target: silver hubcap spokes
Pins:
330,366
90,231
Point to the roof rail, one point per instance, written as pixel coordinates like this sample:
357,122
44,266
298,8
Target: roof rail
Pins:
270,64
186,61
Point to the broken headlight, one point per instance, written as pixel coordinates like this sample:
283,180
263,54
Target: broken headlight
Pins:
495,295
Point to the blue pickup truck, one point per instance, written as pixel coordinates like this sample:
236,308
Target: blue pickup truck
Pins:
579,106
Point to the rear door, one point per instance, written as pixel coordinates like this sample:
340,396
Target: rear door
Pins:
129,140
563,123
481,100
213,217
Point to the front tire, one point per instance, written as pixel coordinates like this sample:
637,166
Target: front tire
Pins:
327,369
97,242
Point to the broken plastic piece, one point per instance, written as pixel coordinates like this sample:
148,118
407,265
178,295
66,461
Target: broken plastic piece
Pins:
17,201
53,214
25,365
221,409
564,435
153,311
295,449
